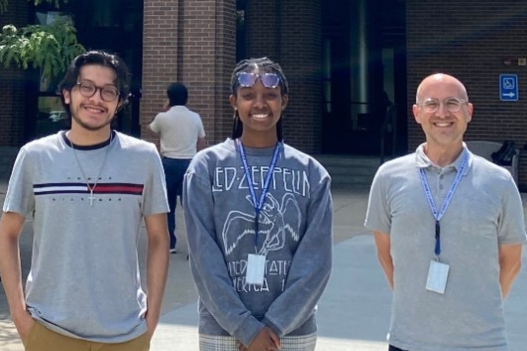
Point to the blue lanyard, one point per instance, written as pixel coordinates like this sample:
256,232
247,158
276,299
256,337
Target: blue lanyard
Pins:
258,204
448,198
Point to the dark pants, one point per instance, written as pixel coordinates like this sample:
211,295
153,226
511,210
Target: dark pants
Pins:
393,348
174,172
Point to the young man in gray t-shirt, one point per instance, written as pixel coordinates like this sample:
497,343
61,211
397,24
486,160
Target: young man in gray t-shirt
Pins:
88,191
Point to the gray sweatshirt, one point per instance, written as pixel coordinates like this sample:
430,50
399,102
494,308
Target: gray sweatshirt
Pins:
295,235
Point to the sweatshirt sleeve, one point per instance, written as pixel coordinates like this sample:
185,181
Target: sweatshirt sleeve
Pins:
310,268
207,264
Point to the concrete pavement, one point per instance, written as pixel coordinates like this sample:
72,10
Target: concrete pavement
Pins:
353,313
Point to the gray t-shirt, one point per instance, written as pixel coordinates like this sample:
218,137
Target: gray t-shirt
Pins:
295,235
485,212
84,280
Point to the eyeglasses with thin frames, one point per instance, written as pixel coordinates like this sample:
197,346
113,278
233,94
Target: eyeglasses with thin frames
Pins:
107,93
451,104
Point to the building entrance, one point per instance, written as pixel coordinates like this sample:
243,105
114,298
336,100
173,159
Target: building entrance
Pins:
364,77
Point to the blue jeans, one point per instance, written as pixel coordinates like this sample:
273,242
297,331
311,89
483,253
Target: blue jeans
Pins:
393,348
175,169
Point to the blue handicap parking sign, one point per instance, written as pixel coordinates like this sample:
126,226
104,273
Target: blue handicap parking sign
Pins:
509,87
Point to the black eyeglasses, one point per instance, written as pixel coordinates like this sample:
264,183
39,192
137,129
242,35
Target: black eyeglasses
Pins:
88,89
248,80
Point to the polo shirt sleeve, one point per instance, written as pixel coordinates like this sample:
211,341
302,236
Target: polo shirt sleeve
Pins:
378,216
511,225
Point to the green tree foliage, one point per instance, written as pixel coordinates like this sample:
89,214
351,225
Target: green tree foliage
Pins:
50,47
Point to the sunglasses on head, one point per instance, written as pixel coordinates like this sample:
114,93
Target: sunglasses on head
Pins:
248,80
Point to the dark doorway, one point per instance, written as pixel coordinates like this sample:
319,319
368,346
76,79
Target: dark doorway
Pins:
364,77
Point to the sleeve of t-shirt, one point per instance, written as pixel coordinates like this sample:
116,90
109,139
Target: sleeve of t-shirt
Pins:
154,126
207,262
378,213
511,225
201,133
20,197
155,197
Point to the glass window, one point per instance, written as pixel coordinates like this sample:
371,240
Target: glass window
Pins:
51,116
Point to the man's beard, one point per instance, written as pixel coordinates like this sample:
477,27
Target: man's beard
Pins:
90,127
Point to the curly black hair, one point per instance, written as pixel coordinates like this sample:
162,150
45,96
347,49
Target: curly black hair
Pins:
95,57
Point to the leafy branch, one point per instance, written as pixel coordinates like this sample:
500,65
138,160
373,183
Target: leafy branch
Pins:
50,47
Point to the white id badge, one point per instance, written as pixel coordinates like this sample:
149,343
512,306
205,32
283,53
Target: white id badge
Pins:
255,269
437,277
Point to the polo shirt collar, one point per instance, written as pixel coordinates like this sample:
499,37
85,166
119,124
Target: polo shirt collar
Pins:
422,161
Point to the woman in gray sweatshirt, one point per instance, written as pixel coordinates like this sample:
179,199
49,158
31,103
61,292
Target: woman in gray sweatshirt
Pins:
259,223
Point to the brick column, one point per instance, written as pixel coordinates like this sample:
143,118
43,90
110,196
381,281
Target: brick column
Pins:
262,20
13,84
162,29
299,52
192,42
208,58
301,56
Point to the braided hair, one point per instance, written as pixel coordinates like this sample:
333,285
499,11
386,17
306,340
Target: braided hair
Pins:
249,65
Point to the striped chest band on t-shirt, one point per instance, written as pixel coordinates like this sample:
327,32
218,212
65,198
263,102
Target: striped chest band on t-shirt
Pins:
83,188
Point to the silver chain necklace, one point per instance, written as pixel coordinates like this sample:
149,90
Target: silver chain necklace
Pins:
91,188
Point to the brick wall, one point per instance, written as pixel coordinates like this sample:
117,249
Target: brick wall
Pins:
259,15
293,38
12,84
161,36
192,42
225,60
470,39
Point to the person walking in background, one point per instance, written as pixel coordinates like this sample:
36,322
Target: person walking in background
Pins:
181,136
449,229
87,191
259,224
